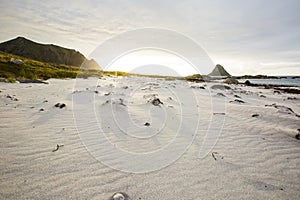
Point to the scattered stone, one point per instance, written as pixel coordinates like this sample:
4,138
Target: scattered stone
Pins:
198,87
45,101
263,96
119,196
122,102
17,61
147,124
281,108
107,94
32,81
12,98
231,80
277,92
156,101
213,154
42,109
219,114
170,98
292,98
221,94
60,105
255,115
125,87
237,100
96,92
237,96
297,136
220,87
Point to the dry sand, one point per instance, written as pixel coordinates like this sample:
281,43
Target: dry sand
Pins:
254,157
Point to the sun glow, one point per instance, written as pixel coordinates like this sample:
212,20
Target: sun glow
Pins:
152,62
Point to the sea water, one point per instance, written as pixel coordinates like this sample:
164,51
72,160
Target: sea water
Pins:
288,81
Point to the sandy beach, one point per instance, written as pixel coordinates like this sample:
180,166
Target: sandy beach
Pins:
256,155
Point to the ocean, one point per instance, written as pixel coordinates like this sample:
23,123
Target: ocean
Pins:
287,81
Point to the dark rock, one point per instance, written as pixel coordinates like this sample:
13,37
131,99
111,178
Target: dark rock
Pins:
276,92
248,83
237,100
237,96
263,96
255,115
292,98
147,124
297,136
32,81
156,101
62,105
231,80
220,87
42,109
221,94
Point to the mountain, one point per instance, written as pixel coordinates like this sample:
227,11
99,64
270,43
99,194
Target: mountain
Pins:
48,53
219,71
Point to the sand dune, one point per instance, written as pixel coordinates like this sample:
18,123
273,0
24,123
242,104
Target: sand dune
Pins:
254,157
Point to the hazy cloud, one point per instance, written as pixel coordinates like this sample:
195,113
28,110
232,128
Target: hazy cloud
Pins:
241,35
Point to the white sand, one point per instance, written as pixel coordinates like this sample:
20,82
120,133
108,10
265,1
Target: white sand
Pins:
257,157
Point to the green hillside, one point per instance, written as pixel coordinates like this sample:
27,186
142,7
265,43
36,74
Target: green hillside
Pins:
42,52
32,69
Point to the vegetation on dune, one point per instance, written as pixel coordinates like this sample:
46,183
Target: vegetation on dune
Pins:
32,69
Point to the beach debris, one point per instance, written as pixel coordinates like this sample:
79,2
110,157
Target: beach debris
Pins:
119,196
221,94
214,155
220,87
219,113
60,105
57,147
255,115
237,101
147,124
156,102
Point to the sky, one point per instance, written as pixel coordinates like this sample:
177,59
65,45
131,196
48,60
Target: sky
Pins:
245,36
